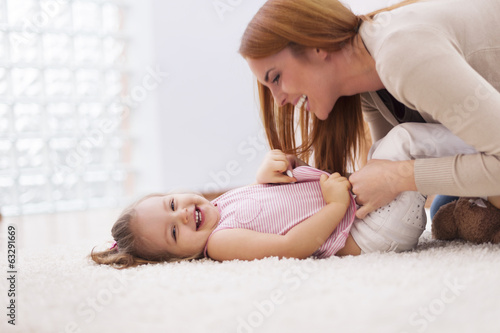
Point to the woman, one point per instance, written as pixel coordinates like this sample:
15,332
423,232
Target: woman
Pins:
434,61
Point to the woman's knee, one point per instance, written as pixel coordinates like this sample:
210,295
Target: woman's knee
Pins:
394,146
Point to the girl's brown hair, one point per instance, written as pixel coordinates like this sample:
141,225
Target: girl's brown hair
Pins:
338,141
129,250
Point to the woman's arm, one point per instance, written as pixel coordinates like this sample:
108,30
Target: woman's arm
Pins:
443,86
439,83
301,241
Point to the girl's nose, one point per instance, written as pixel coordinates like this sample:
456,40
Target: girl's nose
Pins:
184,215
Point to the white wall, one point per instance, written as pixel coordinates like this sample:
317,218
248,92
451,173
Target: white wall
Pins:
198,128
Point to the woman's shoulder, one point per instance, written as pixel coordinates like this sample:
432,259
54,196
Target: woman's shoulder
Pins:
419,25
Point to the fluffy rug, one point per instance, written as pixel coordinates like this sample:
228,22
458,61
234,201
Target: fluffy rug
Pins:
440,287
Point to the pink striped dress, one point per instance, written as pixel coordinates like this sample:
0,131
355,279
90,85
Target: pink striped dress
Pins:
276,208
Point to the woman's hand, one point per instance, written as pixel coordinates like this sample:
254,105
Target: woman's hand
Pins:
335,189
379,182
274,166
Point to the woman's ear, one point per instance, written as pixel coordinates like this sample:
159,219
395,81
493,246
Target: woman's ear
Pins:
321,54
316,54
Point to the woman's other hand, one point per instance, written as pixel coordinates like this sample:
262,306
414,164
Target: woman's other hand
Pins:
379,182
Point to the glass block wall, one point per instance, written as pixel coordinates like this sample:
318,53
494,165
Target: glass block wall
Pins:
63,123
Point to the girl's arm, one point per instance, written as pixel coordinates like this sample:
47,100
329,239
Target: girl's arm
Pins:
275,164
300,242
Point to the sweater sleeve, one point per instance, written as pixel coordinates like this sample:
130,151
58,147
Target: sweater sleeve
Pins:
428,73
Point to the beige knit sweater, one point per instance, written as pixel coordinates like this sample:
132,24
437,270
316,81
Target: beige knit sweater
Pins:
442,58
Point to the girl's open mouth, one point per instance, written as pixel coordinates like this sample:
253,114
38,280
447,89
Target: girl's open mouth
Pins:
198,217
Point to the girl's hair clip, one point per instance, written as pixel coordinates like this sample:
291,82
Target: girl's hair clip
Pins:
115,245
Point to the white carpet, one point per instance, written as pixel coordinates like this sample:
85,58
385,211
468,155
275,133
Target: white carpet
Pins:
440,287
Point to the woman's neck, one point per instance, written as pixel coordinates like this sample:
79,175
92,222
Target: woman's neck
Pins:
361,73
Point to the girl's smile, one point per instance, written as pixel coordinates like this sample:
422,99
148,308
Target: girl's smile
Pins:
178,224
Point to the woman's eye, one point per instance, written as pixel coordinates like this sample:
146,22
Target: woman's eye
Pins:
172,204
174,233
277,78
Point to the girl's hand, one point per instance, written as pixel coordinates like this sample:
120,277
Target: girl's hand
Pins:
274,166
335,189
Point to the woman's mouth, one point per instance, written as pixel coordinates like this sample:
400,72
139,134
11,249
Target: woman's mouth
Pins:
303,100
296,101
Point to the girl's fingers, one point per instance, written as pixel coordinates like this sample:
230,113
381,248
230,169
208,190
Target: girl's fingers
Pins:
286,179
280,165
336,177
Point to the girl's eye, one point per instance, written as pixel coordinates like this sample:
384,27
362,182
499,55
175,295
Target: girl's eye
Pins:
172,204
277,78
174,233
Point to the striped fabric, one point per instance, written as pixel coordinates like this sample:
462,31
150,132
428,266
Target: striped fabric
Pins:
276,208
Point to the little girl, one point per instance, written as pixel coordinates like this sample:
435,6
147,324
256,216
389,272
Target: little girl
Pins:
312,215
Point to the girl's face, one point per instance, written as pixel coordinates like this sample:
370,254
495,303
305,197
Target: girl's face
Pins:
289,77
179,224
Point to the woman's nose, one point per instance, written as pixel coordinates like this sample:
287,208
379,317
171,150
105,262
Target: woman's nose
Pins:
279,97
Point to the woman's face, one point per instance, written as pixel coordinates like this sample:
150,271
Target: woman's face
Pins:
289,77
